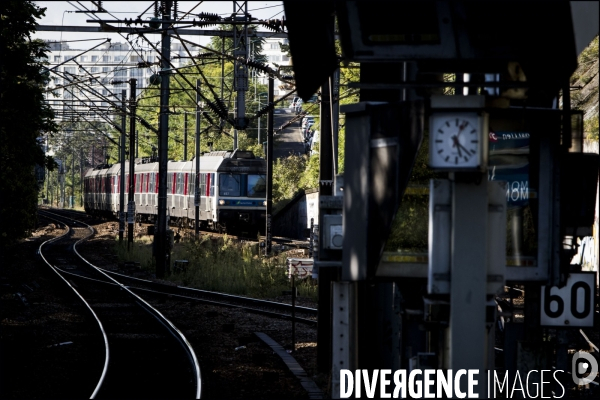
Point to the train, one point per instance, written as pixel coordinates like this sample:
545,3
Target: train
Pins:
232,191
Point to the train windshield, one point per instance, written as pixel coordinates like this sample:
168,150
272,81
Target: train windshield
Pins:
229,185
257,186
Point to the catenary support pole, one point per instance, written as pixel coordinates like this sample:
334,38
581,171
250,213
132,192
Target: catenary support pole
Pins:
160,236
131,187
185,135
197,163
122,174
269,167
327,274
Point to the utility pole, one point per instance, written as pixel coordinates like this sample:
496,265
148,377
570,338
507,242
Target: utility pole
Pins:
73,179
240,80
122,180
326,274
81,175
269,167
131,192
185,140
197,159
160,236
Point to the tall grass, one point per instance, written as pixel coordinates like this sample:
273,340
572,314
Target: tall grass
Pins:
224,265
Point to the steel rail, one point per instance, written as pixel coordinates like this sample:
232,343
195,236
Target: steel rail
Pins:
105,338
153,311
249,300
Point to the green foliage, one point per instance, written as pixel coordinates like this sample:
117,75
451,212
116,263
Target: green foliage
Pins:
590,128
287,175
590,53
183,100
409,231
223,265
24,114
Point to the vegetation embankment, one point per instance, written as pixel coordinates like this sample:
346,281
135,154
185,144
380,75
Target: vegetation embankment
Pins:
221,264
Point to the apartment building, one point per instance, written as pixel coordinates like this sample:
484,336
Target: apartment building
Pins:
92,81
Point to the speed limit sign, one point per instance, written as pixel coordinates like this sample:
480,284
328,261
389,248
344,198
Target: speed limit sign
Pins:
571,305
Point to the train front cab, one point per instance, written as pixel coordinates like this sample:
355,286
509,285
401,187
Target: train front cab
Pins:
241,204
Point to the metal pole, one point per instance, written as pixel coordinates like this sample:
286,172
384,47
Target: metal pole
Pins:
48,171
73,179
197,159
185,144
269,168
326,275
122,180
132,140
81,175
160,236
293,313
240,79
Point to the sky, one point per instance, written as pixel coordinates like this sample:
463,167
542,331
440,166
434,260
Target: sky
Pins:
62,13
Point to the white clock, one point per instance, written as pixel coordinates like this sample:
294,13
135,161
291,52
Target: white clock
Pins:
458,141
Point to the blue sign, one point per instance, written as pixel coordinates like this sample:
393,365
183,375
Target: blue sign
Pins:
509,161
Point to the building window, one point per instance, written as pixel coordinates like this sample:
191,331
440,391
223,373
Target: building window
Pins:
94,58
83,59
56,58
105,59
275,46
285,58
118,58
95,69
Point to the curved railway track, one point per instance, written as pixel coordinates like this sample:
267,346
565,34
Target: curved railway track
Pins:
145,354
273,309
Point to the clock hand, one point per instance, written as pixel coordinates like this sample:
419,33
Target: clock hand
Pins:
457,145
466,151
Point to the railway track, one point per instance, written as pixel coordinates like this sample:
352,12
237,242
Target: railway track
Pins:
273,309
145,354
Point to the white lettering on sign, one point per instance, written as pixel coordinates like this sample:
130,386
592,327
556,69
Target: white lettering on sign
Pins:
520,135
516,191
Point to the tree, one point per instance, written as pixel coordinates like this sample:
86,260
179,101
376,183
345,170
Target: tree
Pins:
25,117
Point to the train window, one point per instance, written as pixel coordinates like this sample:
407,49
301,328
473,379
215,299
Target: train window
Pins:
179,189
152,183
191,186
203,184
211,183
257,186
229,185
169,183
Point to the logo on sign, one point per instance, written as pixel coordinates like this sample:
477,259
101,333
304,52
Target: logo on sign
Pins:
583,364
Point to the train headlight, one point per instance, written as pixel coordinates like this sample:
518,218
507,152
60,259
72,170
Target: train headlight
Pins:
222,202
265,203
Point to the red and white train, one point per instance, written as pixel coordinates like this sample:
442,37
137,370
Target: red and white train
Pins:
232,191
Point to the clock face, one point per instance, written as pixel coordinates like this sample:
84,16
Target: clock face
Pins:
455,141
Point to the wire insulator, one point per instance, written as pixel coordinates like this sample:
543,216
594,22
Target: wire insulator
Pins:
209,16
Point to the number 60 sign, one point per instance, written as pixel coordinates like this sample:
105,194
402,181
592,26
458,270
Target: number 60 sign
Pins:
571,305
